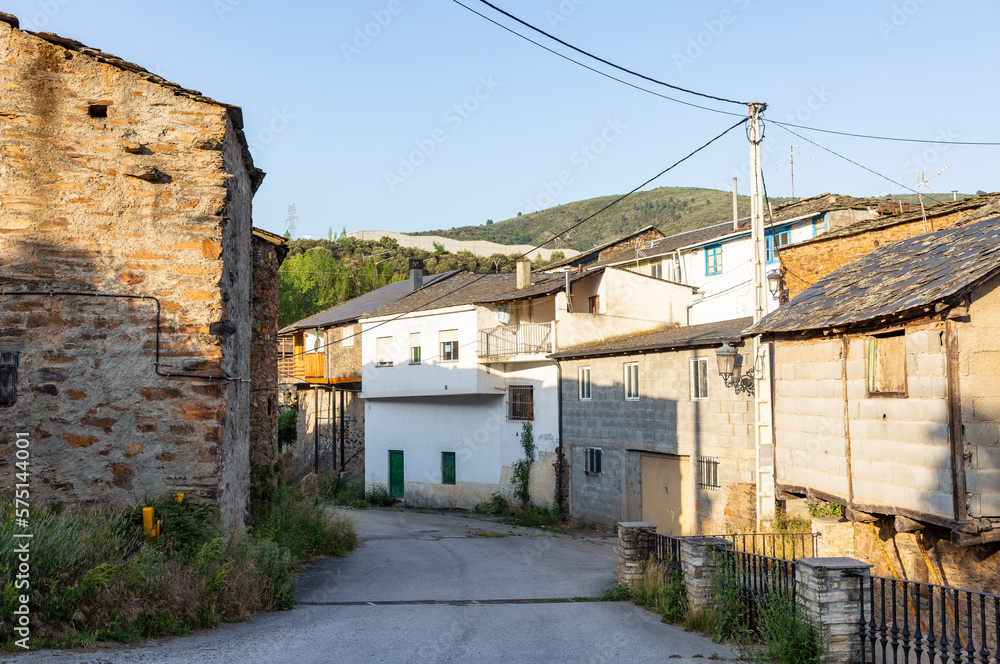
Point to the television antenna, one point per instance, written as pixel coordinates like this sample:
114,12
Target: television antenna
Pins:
922,184
791,162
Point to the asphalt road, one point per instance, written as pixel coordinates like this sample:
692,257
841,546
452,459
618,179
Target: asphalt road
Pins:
437,588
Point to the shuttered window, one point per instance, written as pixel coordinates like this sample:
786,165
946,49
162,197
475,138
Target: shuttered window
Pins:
447,468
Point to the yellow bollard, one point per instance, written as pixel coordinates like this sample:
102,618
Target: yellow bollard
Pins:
180,497
147,522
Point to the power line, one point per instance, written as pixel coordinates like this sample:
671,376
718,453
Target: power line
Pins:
527,253
882,138
596,71
608,62
862,166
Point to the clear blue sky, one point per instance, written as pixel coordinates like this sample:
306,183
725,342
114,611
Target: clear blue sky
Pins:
331,115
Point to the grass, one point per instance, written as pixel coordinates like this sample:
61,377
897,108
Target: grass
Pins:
96,577
488,533
353,494
537,517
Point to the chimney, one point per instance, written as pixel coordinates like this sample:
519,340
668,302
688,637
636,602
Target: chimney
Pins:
736,209
416,272
523,274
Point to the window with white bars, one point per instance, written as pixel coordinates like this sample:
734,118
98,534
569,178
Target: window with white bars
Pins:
708,473
631,381
593,465
520,402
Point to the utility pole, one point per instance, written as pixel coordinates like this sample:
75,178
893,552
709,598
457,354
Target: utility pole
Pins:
763,427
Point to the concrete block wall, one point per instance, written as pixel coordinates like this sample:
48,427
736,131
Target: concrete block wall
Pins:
901,455
664,420
152,199
979,368
344,361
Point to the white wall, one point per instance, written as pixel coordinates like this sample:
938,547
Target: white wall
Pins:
478,247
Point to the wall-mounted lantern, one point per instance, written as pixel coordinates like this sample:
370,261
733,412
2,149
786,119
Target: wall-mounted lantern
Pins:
774,283
8,377
726,357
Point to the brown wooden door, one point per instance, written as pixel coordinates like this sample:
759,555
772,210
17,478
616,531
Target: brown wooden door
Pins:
667,493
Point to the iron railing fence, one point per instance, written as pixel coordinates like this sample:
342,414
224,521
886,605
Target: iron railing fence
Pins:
524,339
776,545
759,579
903,621
667,549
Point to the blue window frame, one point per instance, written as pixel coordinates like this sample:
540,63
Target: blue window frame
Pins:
713,260
819,225
774,239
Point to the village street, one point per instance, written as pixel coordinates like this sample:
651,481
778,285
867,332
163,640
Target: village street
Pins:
439,588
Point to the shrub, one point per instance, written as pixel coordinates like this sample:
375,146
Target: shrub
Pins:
497,505
730,613
617,593
536,517
299,524
824,509
287,424
379,496
788,636
661,589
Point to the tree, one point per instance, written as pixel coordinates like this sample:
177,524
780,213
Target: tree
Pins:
439,249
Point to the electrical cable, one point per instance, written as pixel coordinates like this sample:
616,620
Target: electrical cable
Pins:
862,166
883,138
596,71
528,253
608,62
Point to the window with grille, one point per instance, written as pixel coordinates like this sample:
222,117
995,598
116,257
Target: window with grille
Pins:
415,348
584,383
383,352
449,345
593,465
520,402
631,381
708,473
699,378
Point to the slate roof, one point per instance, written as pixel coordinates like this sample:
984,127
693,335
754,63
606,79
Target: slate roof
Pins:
364,304
580,258
901,280
468,288
971,204
708,334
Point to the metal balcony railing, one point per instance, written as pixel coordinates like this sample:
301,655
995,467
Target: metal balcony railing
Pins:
525,339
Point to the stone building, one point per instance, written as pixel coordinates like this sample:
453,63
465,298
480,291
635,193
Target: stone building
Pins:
127,202
887,401
652,434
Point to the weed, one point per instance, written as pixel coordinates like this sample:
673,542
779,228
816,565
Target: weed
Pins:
617,593
522,467
788,636
379,496
702,622
537,517
824,509
497,505
488,533
730,614
287,428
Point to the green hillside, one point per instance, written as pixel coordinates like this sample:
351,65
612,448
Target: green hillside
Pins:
671,209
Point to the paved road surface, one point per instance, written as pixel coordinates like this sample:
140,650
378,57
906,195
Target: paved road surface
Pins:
436,588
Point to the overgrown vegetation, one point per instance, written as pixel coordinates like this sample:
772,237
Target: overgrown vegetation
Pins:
96,577
287,428
537,517
786,633
661,589
824,509
497,505
353,494
522,467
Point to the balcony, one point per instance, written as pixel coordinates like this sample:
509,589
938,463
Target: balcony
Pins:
510,341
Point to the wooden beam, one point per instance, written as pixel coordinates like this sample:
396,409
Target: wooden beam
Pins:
956,436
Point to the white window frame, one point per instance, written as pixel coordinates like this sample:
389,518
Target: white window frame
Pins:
448,337
347,335
383,359
585,391
630,394
695,362
415,337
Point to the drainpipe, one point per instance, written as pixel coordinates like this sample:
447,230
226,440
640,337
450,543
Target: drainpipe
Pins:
559,449
316,429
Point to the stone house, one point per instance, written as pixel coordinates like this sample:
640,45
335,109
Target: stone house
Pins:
455,372
886,399
127,203
319,367
651,433
805,260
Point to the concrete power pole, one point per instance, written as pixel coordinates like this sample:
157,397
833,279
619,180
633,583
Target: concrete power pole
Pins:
763,429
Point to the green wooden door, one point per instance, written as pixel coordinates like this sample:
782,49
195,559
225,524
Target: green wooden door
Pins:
396,473
447,468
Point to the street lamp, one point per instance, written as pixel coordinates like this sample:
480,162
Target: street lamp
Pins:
774,283
726,357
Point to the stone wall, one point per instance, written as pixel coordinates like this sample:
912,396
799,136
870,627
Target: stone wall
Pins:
805,263
266,258
344,359
664,420
300,456
116,184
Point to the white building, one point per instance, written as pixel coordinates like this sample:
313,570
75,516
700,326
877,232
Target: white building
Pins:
454,372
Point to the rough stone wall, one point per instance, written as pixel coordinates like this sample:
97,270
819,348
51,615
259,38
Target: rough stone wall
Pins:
264,367
979,368
806,263
665,420
76,214
344,360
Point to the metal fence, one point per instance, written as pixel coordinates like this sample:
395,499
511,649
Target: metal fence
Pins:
666,549
759,579
907,621
521,339
788,546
